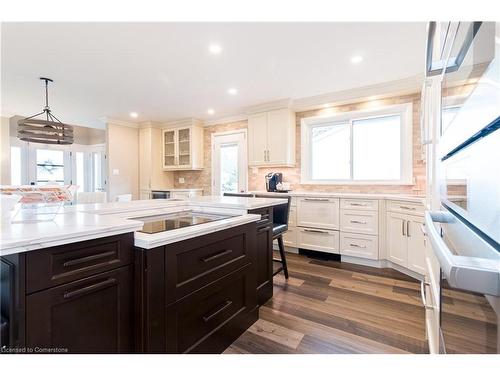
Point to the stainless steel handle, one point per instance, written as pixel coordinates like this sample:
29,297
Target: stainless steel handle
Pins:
224,306
407,208
89,288
317,199
265,158
422,228
403,227
216,256
358,204
423,284
316,231
356,245
268,158
89,258
358,222
408,228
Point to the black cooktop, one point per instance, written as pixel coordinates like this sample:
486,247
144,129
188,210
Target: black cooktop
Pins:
163,223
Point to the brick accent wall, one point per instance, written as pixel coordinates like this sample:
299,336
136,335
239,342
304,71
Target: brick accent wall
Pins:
256,181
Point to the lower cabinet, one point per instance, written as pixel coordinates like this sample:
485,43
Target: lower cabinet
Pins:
405,241
359,245
91,315
193,323
318,239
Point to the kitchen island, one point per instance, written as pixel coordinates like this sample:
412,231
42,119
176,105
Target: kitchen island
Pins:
90,282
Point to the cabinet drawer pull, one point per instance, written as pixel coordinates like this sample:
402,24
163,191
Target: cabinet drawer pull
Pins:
356,245
264,229
89,288
224,306
407,208
317,199
89,258
408,228
358,204
216,256
403,227
358,222
316,231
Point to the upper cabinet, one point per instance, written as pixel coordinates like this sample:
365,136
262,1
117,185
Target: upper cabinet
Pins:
151,173
183,146
271,138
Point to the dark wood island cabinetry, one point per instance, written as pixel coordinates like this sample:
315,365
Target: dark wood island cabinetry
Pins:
106,296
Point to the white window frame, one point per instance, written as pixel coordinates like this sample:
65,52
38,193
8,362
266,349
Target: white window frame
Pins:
406,112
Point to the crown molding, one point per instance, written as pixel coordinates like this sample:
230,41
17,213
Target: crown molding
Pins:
109,120
269,106
190,121
403,86
226,120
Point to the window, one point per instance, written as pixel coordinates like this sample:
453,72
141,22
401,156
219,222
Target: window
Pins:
359,147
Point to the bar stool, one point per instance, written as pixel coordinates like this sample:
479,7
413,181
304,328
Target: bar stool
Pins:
281,214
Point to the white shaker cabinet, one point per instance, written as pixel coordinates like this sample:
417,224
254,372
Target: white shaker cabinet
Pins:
405,241
271,138
318,213
183,146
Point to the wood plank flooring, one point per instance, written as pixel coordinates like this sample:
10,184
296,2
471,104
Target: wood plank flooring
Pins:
333,307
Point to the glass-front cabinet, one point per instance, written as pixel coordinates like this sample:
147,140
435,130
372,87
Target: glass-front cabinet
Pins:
183,148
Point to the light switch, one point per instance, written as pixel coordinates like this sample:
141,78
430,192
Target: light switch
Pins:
181,180
116,172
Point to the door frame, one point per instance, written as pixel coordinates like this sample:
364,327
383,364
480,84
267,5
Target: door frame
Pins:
245,155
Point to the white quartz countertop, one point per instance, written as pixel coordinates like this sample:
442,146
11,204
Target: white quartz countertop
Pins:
88,221
387,196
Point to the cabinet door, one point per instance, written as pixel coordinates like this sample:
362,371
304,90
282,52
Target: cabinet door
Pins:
277,136
257,139
416,245
396,239
91,315
318,213
318,239
169,148
184,147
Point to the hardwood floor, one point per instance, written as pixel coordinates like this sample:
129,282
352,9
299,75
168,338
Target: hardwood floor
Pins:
333,307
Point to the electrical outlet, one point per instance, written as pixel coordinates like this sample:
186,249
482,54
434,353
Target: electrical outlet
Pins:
181,180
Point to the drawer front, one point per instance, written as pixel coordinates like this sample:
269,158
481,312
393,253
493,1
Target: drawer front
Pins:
317,239
290,237
359,245
353,221
190,265
91,315
292,219
405,207
359,204
62,264
195,318
318,213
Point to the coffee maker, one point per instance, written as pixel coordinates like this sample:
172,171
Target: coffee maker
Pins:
272,180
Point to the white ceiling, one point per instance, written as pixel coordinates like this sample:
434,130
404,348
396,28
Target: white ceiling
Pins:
164,71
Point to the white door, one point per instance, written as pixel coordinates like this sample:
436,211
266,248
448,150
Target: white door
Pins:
257,135
396,239
416,245
229,163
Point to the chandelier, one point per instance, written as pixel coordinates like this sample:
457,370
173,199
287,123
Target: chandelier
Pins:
49,130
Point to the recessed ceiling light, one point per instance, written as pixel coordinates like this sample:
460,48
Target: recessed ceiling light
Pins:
356,59
232,91
210,111
134,114
214,49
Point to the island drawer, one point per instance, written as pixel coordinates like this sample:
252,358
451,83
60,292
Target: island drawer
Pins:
194,319
194,263
266,214
61,264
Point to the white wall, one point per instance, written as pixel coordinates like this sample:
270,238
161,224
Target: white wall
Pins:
123,156
4,151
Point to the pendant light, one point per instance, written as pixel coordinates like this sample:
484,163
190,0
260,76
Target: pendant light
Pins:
49,131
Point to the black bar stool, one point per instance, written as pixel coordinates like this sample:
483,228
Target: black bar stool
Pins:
245,195
280,225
